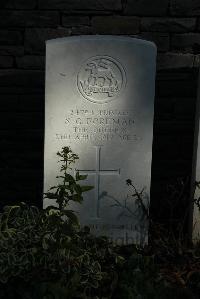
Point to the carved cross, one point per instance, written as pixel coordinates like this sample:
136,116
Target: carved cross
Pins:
98,172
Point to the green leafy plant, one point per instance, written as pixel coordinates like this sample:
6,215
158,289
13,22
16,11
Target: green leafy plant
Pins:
45,254
69,190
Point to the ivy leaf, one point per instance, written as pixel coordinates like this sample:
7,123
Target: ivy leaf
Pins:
80,177
72,217
77,198
77,188
69,178
86,188
51,195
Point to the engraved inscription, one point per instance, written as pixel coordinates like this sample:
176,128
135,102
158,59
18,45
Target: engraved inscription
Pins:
99,125
101,79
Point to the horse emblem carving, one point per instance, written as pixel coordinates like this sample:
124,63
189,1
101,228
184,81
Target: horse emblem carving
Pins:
100,78
102,75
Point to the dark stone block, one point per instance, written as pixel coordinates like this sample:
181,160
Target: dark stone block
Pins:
174,61
187,147
21,120
5,90
24,160
74,21
197,60
87,12
35,38
175,128
9,197
168,24
31,62
27,176
198,24
25,140
187,42
115,25
160,39
12,50
176,88
184,108
171,168
184,75
80,30
185,8
9,38
101,5
167,146
146,8
175,108
21,78
31,102
6,62
18,4
29,18
9,103
164,108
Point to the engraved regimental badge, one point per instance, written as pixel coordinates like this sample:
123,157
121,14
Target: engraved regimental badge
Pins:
101,79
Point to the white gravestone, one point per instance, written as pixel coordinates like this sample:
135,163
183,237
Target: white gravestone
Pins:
100,102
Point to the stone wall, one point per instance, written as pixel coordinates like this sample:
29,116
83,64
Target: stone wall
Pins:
174,25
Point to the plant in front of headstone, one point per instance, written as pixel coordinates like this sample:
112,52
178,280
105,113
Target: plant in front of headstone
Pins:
45,253
136,207
68,190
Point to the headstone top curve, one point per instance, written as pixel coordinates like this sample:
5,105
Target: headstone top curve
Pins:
102,37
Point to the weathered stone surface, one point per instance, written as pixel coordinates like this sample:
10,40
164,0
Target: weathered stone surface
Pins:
146,8
18,4
31,62
8,38
97,90
6,61
185,8
186,42
115,25
23,78
168,24
81,5
29,18
35,38
74,21
160,39
174,60
12,50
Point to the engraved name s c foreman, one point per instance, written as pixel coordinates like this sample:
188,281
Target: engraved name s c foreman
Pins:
101,79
